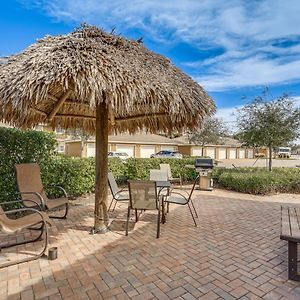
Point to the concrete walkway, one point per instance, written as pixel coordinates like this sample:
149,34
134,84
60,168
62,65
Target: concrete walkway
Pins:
234,253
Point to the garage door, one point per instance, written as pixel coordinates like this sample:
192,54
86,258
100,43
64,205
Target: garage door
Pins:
242,153
170,148
210,152
146,151
250,153
196,151
90,150
127,149
222,153
232,154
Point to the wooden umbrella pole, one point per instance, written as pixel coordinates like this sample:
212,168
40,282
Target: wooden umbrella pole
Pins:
101,213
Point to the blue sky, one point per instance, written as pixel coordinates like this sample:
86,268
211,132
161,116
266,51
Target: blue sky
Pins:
232,48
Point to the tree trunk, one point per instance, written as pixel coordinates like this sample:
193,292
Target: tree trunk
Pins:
270,158
101,213
202,151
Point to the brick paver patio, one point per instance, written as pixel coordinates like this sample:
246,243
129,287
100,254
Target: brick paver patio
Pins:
234,253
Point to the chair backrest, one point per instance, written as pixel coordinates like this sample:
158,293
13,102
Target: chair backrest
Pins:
143,194
158,175
112,184
29,180
166,168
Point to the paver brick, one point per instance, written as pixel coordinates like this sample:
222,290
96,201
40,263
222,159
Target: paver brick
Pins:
234,253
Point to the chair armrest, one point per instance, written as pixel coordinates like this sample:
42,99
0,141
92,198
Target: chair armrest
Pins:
21,200
179,195
37,194
26,209
63,190
187,193
120,191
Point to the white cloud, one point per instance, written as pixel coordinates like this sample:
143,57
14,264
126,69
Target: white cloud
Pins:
248,31
253,71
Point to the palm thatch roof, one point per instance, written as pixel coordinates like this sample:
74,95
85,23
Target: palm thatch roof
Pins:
59,80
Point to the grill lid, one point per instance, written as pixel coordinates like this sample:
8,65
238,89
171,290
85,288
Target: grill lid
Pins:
204,163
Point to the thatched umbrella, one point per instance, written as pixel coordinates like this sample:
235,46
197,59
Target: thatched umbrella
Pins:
100,83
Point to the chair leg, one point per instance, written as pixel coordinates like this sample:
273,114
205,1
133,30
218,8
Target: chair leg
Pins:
136,215
163,217
192,214
194,208
44,229
158,224
127,222
111,202
115,205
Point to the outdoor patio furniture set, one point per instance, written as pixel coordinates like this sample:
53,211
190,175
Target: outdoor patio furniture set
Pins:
141,196
155,194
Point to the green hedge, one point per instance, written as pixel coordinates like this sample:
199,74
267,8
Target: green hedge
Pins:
139,168
77,175
18,146
259,180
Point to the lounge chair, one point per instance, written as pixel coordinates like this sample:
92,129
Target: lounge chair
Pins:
31,221
167,168
180,199
30,187
143,196
117,193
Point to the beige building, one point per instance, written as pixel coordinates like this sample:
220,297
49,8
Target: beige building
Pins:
227,149
138,145
143,145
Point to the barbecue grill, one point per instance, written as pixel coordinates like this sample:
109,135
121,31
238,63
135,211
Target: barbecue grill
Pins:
204,163
204,167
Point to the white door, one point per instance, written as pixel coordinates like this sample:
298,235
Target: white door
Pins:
210,152
222,153
250,153
146,151
169,148
242,153
196,151
129,149
90,151
232,154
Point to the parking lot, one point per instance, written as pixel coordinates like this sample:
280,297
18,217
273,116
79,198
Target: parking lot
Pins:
261,162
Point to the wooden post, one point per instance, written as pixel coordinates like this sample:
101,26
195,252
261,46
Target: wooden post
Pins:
101,213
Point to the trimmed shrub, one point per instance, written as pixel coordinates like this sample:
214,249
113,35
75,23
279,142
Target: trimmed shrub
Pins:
259,180
75,175
18,146
139,168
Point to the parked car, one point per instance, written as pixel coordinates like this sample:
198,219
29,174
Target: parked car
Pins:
121,155
167,154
